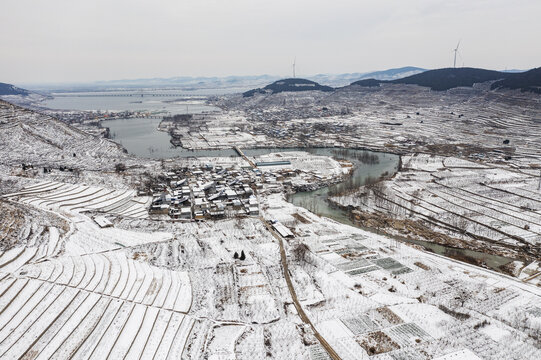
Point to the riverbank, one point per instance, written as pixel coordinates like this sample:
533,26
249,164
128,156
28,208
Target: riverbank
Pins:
414,232
411,231
461,205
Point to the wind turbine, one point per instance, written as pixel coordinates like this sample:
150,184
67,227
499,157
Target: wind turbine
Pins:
456,50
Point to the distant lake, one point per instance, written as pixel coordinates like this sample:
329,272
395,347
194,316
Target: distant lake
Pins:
139,136
155,103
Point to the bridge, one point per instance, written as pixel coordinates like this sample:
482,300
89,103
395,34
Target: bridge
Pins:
130,95
135,116
241,153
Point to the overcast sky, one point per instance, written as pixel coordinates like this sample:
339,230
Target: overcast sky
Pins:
75,40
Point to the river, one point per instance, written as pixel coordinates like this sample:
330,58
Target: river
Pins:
316,202
141,137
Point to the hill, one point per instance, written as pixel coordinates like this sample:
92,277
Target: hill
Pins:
8,89
42,141
393,74
445,79
368,82
292,84
526,81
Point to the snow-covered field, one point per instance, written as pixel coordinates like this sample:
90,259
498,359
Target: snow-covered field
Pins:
496,207
58,196
378,291
154,289
83,293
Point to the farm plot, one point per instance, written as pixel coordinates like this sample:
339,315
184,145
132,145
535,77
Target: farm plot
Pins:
42,245
306,289
407,334
459,199
255,295
222,345
317,352
377,332
359,325
428,317
115,275
94,306
89,238
24,226
79,198
353,258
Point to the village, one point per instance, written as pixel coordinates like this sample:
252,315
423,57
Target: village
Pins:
225,190
207,192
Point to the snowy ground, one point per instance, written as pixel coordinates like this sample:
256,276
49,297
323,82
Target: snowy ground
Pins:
372,285
163,288
491,208
166,290
394,118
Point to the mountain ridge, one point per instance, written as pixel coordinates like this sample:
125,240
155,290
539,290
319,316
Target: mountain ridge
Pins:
8,89
449,78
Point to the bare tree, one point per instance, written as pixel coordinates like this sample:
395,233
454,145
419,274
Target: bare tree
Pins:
300,252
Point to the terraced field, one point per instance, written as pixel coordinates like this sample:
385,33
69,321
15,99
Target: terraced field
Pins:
483,206
44,319
54,195
91,306
27,137
76,290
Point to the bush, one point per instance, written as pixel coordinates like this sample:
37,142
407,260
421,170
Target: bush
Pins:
120,167
299,251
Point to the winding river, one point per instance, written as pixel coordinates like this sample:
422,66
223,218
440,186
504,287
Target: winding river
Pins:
141,137
364,173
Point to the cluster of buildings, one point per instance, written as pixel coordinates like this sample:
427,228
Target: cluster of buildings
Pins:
207,192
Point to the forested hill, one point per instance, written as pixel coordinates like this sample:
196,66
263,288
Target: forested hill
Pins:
448,78
444,79
525,81
293,84
8,89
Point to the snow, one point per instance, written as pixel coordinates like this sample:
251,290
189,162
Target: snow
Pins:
159,289
464,354
428,317
222,346
495,333
391,299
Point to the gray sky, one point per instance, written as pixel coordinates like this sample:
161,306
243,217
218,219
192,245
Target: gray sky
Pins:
74,40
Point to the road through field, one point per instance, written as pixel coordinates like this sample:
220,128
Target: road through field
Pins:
296,302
